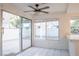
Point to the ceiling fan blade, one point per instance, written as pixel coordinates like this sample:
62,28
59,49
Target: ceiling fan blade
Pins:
32,7
44,8
44,12
29,11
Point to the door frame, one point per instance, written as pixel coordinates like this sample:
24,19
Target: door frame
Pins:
20,40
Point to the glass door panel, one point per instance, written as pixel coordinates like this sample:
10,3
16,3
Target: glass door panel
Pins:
11,34
26,33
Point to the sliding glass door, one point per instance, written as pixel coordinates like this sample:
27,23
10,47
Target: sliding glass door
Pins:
26,33
16,33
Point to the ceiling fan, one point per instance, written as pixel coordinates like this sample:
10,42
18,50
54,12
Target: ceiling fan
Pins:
37,9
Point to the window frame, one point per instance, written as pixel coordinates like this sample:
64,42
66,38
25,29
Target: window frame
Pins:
54,19
73,19
35,31
58,29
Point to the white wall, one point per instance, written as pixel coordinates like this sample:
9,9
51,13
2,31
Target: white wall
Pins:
74,47
56,44
0,34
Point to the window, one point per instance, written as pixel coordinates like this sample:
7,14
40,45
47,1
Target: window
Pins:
39,30
46,30
75,26
52,30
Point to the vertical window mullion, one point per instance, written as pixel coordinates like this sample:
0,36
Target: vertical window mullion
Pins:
46,29
21,35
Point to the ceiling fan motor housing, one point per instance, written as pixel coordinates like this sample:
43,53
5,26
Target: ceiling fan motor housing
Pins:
36,5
